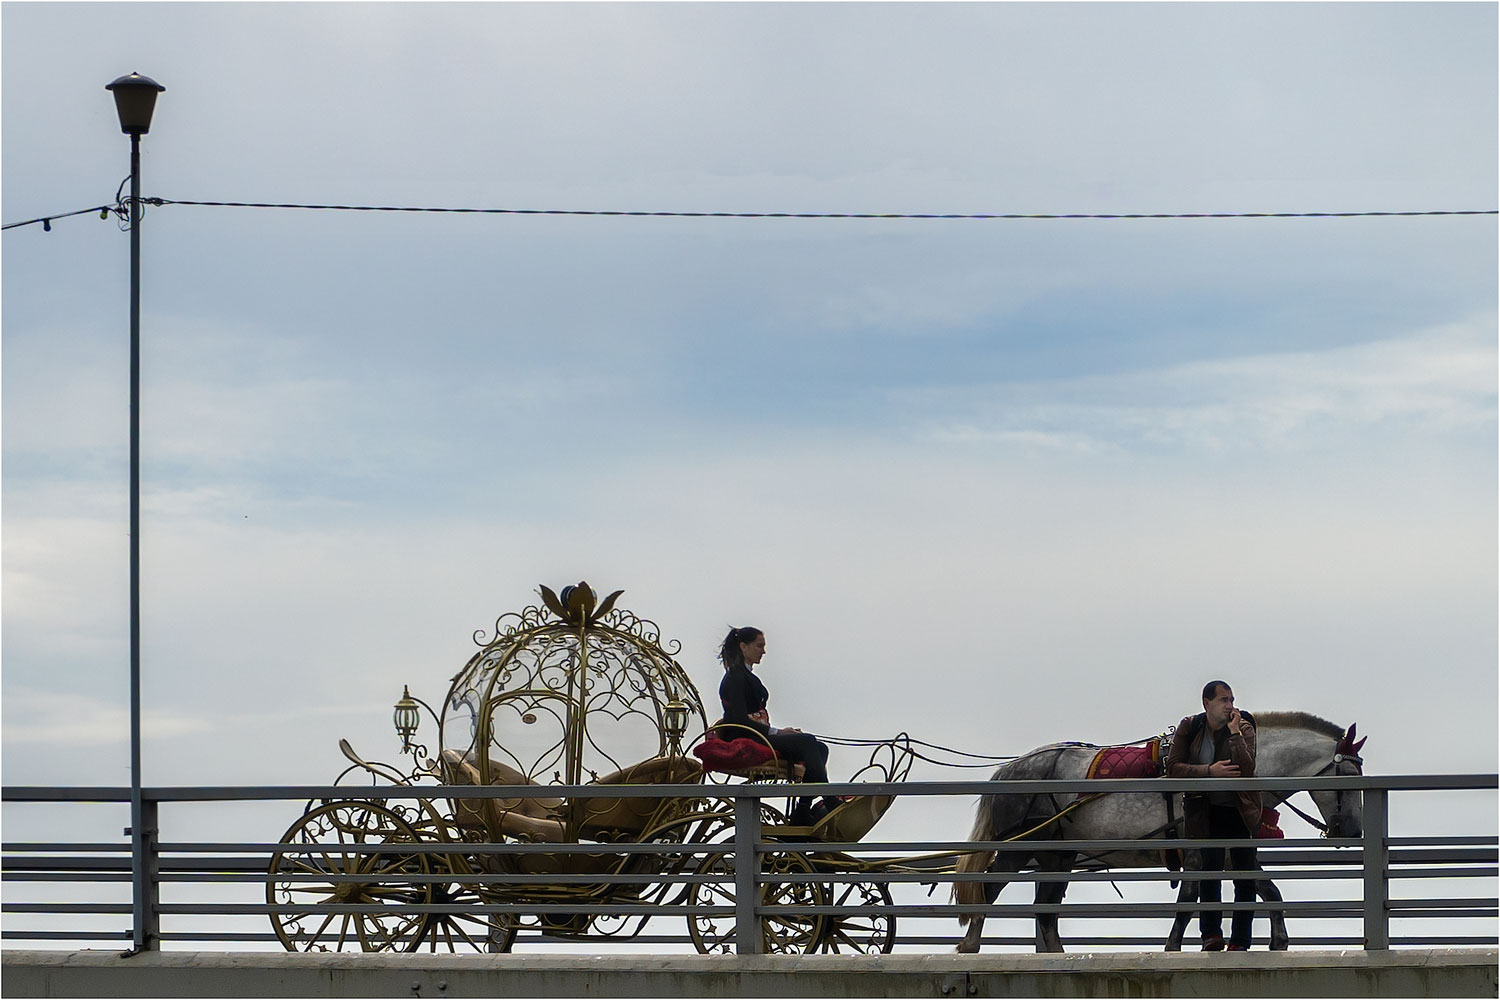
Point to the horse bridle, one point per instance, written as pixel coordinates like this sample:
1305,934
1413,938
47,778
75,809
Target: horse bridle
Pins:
1347,751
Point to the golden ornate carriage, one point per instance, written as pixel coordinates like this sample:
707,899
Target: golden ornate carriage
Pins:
574,692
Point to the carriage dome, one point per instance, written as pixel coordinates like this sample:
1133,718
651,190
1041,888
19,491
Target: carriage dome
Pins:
568,691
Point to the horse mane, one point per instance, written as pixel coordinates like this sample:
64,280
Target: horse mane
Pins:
1298,720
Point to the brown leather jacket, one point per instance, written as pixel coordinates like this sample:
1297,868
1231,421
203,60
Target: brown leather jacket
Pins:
1182,762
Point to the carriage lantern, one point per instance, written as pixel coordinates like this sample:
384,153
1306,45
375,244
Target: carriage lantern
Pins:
406,717
675,718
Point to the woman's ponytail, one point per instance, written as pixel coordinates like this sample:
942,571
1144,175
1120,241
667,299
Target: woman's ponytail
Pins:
729,651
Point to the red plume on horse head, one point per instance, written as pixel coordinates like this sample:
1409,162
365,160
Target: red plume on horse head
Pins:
1347,746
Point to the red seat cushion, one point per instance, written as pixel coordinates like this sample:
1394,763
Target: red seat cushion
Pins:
732,755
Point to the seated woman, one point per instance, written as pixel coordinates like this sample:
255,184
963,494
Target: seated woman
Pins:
744,699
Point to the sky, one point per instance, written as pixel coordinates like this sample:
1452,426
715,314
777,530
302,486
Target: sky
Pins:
995,483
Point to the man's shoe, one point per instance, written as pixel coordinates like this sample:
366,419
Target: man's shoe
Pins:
1214,943
1238,947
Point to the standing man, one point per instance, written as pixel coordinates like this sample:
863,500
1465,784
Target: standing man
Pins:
1219,743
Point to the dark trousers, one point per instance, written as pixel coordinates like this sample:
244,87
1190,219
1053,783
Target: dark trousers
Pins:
809,751
805,749
1224,822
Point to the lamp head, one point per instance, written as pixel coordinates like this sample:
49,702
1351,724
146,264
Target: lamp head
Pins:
675,715
406,718
135,100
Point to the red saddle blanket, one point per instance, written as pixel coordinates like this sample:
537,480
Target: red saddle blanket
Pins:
732,755
1127,762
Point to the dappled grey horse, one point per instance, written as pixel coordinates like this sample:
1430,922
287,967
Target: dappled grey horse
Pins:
1289,744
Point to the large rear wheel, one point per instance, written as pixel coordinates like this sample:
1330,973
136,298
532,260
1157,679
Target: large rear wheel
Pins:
328,860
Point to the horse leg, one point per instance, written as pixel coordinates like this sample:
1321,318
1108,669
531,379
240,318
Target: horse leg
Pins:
1047,938
1187,893
1006,862
1266,890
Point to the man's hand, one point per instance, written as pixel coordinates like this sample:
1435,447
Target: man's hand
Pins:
1223,769
1235,722
789,729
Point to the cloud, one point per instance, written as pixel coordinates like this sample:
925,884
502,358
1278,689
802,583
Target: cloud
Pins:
1438,381
52,718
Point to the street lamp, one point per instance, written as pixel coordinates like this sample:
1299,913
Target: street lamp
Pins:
135,99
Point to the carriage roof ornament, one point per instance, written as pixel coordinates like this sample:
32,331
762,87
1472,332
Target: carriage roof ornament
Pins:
578,604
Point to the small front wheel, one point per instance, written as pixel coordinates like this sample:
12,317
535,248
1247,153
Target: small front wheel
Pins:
784,932
871,933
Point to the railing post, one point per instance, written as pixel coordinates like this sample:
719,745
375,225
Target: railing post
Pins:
747,932
145,931
1376,859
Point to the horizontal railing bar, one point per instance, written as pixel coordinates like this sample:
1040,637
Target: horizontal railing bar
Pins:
70,876
685,878
65,907
1278,847
234,864
260,862
1408,856
1302,940
565,909
43,847
65,935
756,790
451,847
929,910
396,879
261,852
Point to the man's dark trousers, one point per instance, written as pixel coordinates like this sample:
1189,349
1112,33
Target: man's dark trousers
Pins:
1224,823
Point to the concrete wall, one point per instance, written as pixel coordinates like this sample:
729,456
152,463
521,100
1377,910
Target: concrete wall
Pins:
1424,973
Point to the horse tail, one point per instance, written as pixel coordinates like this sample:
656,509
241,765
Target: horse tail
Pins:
976,861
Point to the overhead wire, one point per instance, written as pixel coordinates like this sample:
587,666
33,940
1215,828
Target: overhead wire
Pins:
118,208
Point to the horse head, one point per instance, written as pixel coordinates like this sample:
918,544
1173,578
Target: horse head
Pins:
1343,810
1297,744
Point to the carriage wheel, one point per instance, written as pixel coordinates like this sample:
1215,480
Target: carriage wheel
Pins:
863,934
311,870
468,931
789,933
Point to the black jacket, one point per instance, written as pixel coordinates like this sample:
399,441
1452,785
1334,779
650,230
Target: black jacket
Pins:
741,693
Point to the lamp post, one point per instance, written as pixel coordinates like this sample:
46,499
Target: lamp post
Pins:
135,100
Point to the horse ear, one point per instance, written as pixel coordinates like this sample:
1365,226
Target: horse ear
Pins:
1358,745
1346,742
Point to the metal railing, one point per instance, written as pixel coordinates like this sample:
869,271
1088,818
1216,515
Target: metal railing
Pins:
205,887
